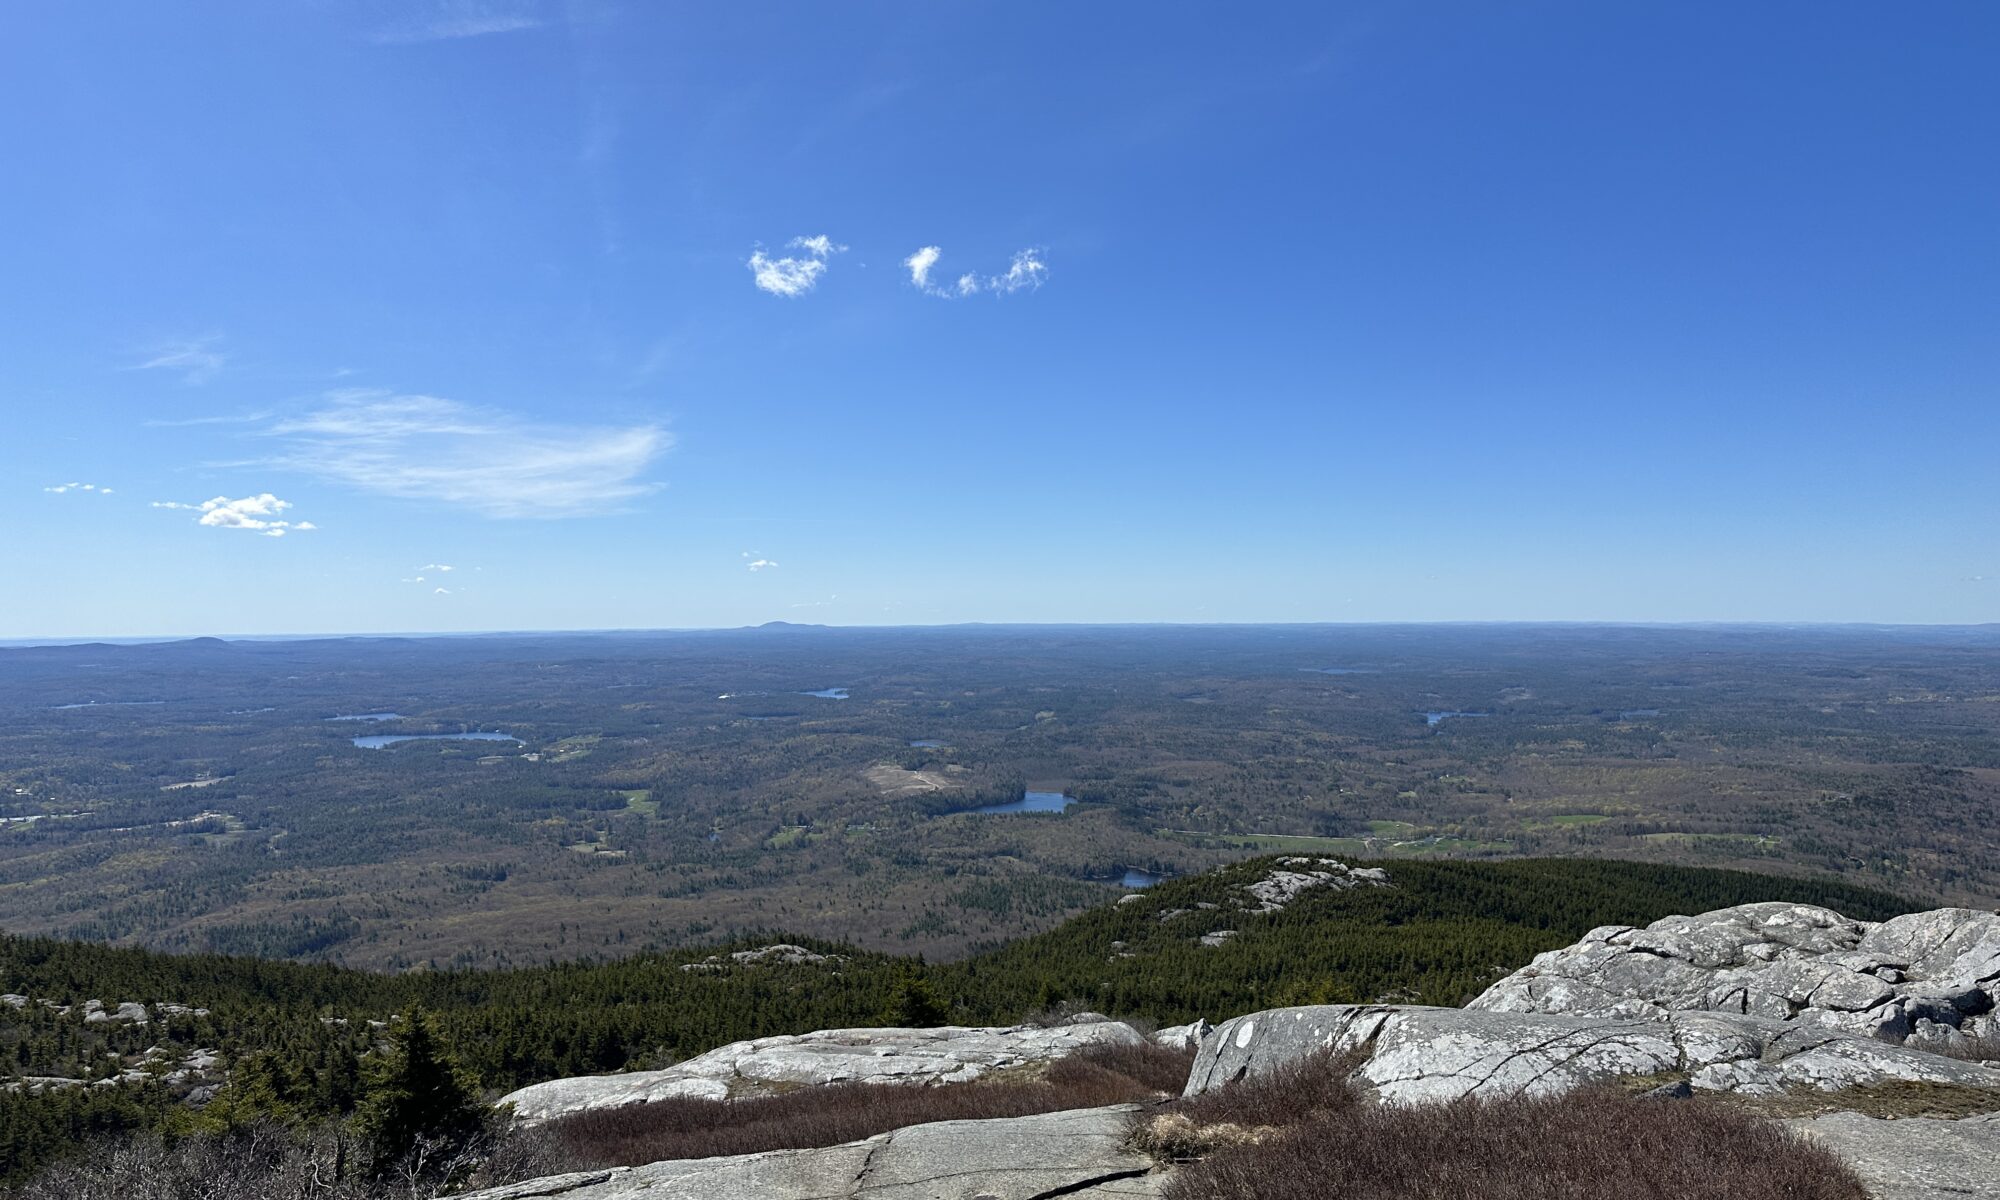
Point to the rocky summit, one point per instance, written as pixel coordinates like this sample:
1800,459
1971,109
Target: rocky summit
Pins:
1929,979
1793,1008
951,1054
1084,1153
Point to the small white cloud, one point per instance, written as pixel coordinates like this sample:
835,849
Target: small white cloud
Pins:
434,567
920,265
794,276
258,514
441,592
195,358
1025,272
758,562
61,488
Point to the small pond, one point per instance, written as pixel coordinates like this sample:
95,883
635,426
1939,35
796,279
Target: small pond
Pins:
1432,718
828,693
1135,878
1033,802
378,741
380,716
1340,670
928,744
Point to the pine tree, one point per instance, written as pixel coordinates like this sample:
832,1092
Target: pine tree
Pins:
914,1003
414,1095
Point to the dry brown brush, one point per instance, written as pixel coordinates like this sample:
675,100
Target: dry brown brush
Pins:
1302,1133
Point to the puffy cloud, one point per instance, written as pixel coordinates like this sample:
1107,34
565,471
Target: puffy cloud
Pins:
756,561
920,265
427,448
434,567
794,275
1025,272
259,514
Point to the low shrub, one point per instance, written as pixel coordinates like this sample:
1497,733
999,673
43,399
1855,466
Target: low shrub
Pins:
254,1162
1587,1145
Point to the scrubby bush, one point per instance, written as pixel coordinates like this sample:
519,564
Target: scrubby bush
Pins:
1302,1133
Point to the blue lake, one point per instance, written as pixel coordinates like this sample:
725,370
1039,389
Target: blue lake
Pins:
380,716
1632,713
1432,718
1033,802
111,704
928,744
377,741
828,693
1340,670
1135,878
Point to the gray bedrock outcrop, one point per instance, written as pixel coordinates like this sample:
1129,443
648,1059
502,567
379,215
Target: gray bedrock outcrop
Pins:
1080,1153
1914,1159
1927,979
951,1054
1414,1054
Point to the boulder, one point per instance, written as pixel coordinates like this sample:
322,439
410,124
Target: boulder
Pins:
1079,1153
1932,975
952,1054
1914,1159
1413,1054
1183,1037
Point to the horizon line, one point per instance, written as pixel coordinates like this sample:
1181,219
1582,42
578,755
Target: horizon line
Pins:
57,642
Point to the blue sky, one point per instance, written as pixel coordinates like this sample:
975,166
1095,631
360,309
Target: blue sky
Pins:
1319,312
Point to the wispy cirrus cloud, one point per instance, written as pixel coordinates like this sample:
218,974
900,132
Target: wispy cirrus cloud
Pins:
1026,272
189,422
262,514
427,448
794,275
197,359
448,20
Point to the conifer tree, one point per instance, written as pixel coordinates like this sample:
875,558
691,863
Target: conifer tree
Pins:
914,1003
414,1095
